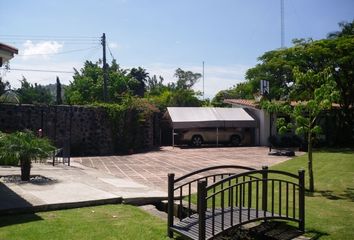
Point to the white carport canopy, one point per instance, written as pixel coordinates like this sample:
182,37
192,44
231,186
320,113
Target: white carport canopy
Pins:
200,117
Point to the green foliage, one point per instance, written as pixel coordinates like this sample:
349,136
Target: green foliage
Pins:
305,114
176,94
240,91
87,86
334,56
127,121
6,158
141,76
33,94
155,87
3,86
59,100
185,79
23,147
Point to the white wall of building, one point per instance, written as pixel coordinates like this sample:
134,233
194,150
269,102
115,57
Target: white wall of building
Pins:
262,131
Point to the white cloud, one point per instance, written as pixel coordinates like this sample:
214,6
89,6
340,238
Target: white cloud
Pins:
40,49
113,45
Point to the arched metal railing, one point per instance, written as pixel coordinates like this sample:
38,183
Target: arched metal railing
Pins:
185,186
242,198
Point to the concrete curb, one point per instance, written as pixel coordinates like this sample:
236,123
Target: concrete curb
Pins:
139,201
60,206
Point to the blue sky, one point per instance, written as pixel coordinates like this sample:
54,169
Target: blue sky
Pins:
159,35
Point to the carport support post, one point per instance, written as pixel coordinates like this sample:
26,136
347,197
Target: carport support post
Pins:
173,137
171,179
217,137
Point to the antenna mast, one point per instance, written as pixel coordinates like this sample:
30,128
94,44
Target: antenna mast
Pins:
282,26
203,80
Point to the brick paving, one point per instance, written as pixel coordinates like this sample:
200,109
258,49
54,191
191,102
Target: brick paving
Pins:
151,168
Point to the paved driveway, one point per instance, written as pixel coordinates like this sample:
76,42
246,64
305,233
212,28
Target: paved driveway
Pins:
151,168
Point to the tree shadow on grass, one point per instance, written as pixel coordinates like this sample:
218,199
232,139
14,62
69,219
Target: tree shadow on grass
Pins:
336,150
316,234
348,194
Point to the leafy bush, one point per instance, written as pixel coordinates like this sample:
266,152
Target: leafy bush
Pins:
128,120
9,160
24,147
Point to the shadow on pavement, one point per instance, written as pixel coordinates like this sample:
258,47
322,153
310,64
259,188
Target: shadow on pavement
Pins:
10,201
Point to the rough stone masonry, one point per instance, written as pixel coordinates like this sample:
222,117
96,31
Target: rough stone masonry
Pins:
87,129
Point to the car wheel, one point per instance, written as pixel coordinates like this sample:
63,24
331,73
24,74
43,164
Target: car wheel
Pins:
197,141
235,141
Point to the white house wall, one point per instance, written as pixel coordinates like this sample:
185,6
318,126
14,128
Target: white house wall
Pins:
262,118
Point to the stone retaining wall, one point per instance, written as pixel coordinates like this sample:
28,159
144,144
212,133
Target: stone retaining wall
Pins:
87,129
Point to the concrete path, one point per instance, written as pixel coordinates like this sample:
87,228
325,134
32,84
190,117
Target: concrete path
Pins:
70,185
151,168
136,176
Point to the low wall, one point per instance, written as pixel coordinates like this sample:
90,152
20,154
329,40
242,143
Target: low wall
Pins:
87,129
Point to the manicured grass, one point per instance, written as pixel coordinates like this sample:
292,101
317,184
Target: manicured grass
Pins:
330,210
104,222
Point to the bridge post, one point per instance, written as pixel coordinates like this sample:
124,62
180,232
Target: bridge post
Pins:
171,179
202,206
264,189
302,200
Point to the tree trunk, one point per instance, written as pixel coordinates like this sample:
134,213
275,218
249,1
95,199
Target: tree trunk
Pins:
309,151
25,169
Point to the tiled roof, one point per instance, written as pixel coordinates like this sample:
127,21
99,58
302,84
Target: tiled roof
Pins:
253,104
243,102
8,48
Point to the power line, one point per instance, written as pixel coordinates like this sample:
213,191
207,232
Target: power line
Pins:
36,70
48,36
66,41
70,51
110,52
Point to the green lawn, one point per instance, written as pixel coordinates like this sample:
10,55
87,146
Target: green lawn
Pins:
330,210
103,222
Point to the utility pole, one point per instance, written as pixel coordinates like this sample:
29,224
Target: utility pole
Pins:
105,75
203,80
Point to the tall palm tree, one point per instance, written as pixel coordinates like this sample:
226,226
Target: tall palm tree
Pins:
24,147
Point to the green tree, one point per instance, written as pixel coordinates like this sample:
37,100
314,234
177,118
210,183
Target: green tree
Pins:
24,147
33,94
141,76
336,54
59,100
175,94
241,90
346,29
155,86
3,86
305,114
185,79
87,86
